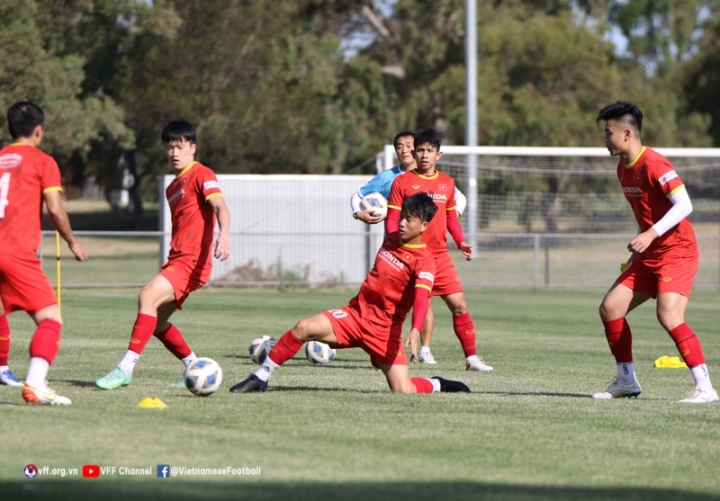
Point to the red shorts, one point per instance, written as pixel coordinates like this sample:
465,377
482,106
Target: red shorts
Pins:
24,285
382,343
186,276
447,281
656,276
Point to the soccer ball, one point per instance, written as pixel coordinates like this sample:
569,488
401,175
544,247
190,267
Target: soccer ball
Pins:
203,377
260,347
319,353
375,201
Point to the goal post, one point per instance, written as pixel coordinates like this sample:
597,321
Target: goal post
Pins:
548,199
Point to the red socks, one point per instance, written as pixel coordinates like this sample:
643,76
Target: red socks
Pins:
45,342
688,345
4,340
142,332
619,339
173,340
423,385
465,332
285,348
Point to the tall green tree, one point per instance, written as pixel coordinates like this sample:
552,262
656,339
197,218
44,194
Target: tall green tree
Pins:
701,84
32,68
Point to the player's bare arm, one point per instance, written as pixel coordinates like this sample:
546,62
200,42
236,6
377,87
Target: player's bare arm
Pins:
412,342
61,223
222,244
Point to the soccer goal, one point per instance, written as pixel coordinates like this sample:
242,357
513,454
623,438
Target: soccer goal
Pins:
545,217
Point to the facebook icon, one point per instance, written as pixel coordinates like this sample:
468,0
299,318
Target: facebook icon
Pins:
163,471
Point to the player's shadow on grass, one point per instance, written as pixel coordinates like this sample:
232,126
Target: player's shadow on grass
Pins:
546,394
250,488
299,362
81,384
533,394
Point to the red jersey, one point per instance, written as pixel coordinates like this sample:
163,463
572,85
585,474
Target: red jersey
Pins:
441,187
647,183
193,219
388,292
25,174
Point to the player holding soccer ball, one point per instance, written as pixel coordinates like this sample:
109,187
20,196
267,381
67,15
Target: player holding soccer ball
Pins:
664,257
426,178
195,201
27,178
404,144
401,278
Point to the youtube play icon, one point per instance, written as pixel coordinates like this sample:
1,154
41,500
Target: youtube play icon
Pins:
91,471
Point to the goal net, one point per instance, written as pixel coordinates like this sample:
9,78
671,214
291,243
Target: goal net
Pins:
557,218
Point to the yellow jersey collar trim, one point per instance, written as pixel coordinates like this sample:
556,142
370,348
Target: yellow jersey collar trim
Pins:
413,246
192,164
632,164
437,173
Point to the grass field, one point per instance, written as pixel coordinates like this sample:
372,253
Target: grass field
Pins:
529,430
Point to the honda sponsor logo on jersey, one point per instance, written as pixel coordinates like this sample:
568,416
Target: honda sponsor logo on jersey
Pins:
175,197
668,177
632,191
392,260
10,160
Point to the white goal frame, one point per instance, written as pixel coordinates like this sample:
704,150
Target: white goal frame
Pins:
389,160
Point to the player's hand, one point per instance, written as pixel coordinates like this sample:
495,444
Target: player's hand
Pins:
368,216
222,249
78,251
642,241
412,342
467,251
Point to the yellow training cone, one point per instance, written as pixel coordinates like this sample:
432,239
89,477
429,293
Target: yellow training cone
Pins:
666,362
151,403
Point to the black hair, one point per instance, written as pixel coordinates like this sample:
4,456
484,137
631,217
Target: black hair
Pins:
420,205
430,136
623,111
400,134
178,130
23,117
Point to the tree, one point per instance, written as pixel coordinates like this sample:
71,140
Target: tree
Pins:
31,68
702,77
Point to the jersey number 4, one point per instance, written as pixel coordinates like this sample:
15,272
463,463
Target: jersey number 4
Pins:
4,187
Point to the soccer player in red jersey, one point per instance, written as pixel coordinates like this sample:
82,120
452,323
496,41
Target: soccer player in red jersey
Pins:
196,202
401,278
404,144
441,187
27,178
664,257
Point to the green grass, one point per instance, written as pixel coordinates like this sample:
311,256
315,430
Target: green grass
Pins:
529,430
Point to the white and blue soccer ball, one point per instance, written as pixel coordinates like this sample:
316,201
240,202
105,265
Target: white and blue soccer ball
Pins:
319,353
260,347
203,377
375,201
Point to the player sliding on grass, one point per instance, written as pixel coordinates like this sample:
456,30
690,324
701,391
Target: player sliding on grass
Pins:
404,144
447,285
27,178
195,201
401,279
664,258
